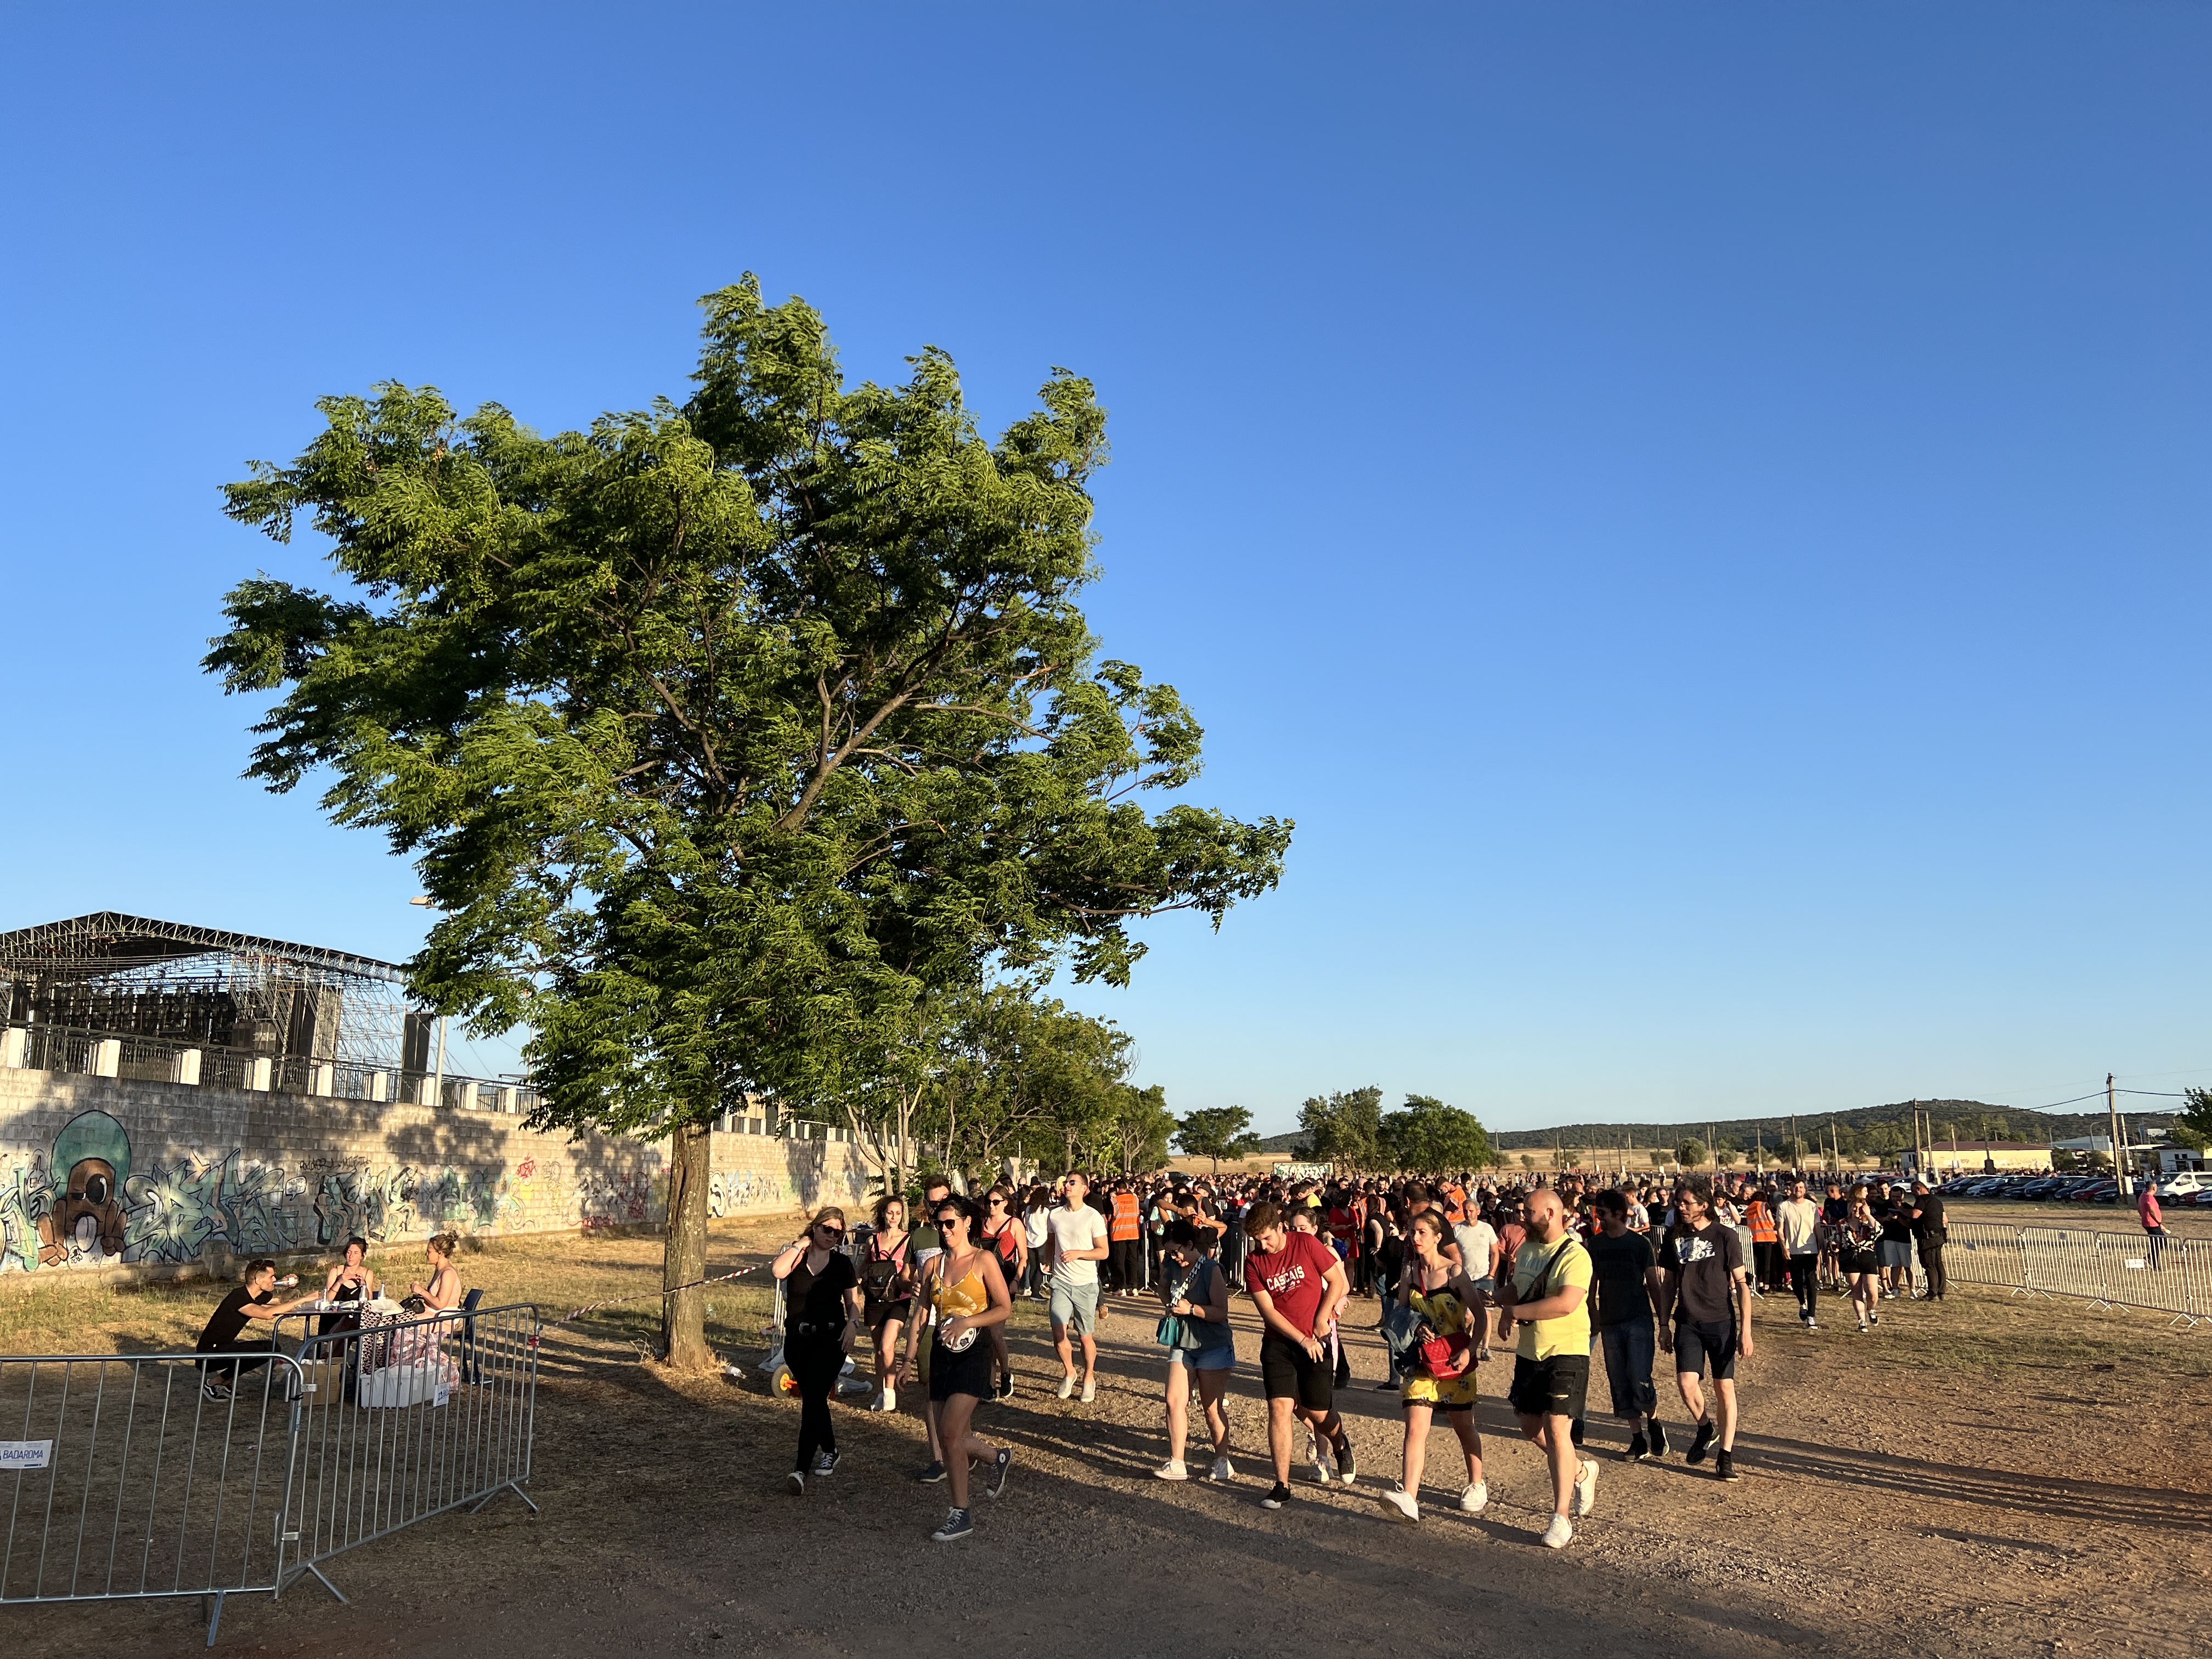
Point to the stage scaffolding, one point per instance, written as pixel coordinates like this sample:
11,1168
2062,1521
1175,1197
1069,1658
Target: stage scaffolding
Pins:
129,996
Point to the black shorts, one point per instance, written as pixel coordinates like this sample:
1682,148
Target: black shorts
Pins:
1287,1371
1550,1387
1695,1345
952,1373
876,1315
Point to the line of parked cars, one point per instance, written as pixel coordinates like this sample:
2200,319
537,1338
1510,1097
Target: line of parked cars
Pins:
2186,1189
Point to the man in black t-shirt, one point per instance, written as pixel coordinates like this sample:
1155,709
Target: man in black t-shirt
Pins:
1707,1293
1624,1288
255,1299
1930,1232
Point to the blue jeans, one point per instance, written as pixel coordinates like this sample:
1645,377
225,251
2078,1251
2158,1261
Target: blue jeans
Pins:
1628,1351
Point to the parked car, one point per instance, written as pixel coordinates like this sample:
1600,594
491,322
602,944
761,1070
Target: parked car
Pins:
2096,1192
2201,1200
2183,1181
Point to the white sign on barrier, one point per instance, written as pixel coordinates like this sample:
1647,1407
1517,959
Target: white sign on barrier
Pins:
24,1453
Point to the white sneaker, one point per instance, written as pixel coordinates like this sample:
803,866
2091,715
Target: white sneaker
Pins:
1223,1470
1402,1501
1171,1470
1475,1498
1321,1468
1585,1489
1559,1534
1067,1387
1090,1389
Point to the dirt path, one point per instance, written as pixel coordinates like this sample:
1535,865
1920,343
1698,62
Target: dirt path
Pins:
1990,1478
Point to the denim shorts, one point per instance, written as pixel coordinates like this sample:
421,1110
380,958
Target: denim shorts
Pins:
1215,1356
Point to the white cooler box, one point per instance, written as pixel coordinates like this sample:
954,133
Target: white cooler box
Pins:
403,1385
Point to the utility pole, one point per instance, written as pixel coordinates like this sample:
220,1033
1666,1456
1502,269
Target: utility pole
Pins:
2112,1121
438,1088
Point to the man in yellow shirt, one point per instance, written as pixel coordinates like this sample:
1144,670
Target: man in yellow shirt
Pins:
1547,1295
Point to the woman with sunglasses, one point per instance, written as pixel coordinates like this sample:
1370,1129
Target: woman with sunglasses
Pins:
821,1321
963,1285
1007,1238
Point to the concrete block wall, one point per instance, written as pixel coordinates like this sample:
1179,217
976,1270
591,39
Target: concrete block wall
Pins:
159,1178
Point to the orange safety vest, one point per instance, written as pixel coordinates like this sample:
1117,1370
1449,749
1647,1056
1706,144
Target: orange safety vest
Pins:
1124,1223
1763,1229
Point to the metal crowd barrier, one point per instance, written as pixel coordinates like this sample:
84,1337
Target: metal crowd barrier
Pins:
2167,1275
127,1481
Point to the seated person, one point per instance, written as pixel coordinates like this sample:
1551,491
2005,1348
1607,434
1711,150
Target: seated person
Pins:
443,1293
349,1283
255,1299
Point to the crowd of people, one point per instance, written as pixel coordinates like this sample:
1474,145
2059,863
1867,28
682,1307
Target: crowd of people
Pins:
1454,1269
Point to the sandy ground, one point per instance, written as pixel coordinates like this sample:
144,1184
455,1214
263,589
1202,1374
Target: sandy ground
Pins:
1994,1476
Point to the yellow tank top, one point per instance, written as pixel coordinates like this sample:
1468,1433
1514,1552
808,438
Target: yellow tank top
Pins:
958,1301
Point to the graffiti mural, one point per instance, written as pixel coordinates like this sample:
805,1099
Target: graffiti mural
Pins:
88,1197
372,1203
24,1199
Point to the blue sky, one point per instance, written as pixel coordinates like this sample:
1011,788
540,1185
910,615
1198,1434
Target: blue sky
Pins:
1699,512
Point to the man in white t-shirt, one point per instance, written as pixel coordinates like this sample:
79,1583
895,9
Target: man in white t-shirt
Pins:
1479,1248
1076,1245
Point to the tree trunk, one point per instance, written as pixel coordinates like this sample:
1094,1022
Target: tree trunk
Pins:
684,1314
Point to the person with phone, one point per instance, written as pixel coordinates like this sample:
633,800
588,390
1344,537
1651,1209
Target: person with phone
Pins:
963,1285
1453,1309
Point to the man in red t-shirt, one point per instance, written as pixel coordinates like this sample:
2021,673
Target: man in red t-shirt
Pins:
1298,1284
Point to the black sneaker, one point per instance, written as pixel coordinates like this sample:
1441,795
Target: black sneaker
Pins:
1703,1443
931,1475
1724,1465
1005,1387
1575,1431
212,1389
1005,1459
1277,1495
1658,1438
1639,1448
1347,1465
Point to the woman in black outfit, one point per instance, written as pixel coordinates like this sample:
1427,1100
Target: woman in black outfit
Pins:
821,1320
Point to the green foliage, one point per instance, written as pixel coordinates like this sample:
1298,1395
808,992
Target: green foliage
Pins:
1690,1152
1432,1138
1727,1157
1528,1162
721,733
2192,1126
1659,1156
1142,1127
1345,1128
1216,1132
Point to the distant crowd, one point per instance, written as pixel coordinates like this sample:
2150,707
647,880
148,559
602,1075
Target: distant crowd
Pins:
1455,1266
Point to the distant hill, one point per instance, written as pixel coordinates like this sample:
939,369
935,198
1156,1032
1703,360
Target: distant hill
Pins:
1976,1120
1288,1143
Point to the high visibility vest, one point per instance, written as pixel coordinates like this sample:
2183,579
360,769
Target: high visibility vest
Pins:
1763,1229
1123,1223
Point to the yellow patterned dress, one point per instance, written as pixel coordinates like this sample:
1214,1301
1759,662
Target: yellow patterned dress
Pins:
1444,1309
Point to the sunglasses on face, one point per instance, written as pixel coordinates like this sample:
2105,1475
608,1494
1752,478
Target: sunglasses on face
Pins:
998,1203
834,1232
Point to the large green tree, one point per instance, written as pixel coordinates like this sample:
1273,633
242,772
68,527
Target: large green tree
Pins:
1216,1132
1344,1128
1431,1138
720,732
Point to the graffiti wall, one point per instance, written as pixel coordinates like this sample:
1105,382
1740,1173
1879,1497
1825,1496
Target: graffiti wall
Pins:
100,1171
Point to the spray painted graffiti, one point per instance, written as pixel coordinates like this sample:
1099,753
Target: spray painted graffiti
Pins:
617,1200
372,1203
175,1211
24,1200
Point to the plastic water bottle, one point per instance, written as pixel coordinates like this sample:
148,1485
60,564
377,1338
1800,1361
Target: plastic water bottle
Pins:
289,1282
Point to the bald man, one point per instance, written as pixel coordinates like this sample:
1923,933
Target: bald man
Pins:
1548,1296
